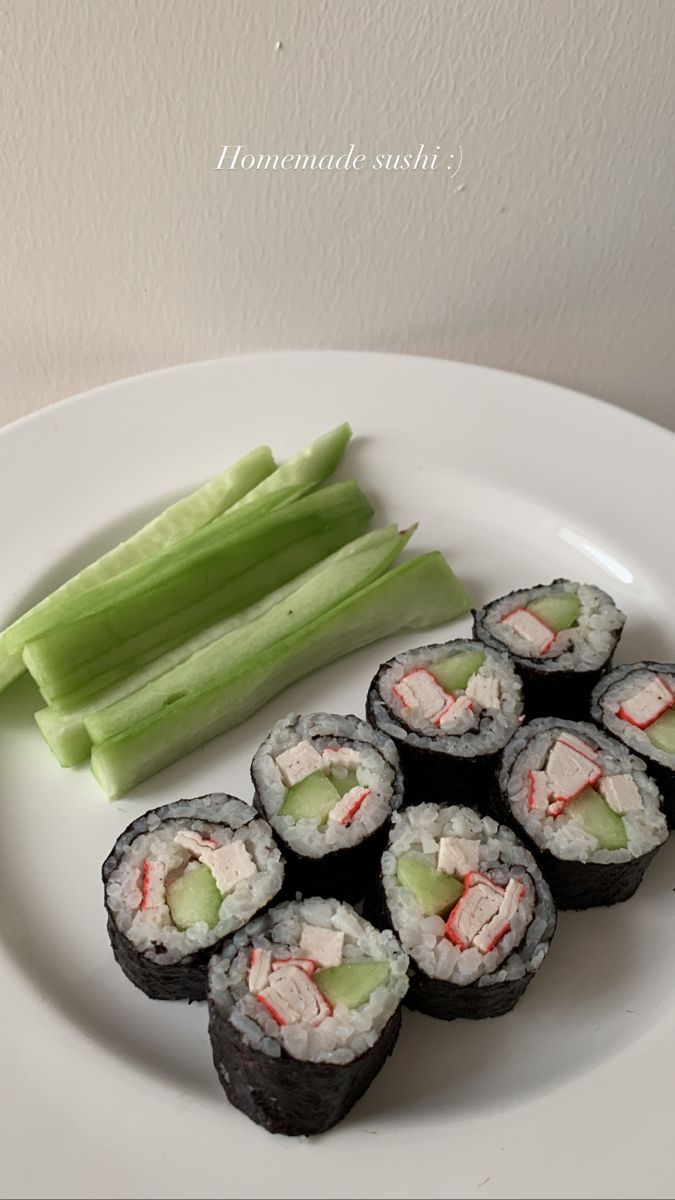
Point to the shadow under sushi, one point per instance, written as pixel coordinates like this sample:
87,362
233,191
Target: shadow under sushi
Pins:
569,1020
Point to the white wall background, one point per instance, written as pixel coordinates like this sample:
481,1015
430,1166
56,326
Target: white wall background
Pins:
123,249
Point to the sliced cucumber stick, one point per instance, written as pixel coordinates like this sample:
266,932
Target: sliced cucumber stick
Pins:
661,732
599,820
435,892
558,610
360,561
78,659
345,783
239,484
312,464
455,672
351,984
421,593
178,521
132,585
350,568
194,897
65,734
312,797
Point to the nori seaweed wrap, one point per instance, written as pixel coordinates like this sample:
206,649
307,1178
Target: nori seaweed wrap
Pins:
469,905
561,637
328,784
450,709
304,1009
178,881
636,704
585,806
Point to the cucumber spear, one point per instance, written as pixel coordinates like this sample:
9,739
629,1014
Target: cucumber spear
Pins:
219,571
421,593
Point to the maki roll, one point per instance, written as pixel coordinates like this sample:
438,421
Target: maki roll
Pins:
561,637
328,785
450,709
470,906
179,880
586,806
304,1008
636,704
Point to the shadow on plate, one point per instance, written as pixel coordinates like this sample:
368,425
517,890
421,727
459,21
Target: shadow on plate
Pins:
644,639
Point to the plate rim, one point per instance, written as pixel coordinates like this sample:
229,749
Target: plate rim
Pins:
218,360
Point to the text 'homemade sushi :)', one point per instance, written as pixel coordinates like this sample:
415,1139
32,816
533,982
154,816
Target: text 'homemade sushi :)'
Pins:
424,157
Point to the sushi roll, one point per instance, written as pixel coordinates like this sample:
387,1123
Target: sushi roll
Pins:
179,880
636,704
450,709
587,808
304,1008
561,637
328,785
470,906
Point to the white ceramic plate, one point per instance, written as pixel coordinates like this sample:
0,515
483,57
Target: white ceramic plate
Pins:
110,1094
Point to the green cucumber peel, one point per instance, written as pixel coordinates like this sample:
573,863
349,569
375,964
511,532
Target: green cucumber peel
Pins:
77,660
420,593
179,521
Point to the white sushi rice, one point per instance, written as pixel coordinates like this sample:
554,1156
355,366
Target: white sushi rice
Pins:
587,646
152,931
377,770
563,835
495,726
418,831
339,1038
630,680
